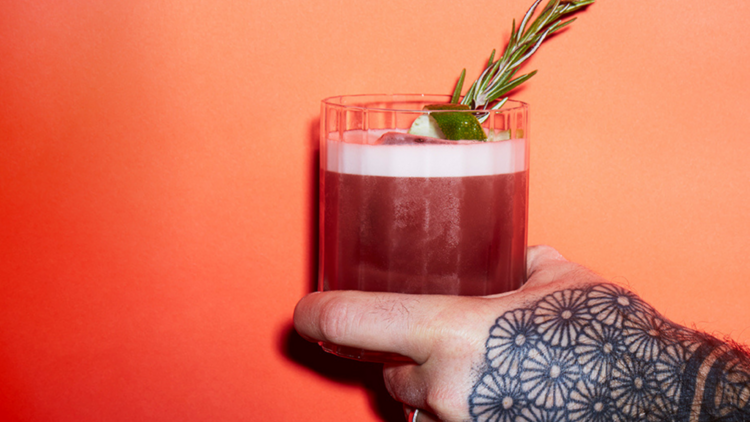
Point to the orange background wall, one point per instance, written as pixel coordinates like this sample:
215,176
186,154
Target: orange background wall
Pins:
157,184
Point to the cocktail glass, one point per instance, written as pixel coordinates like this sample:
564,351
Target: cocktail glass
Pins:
407,214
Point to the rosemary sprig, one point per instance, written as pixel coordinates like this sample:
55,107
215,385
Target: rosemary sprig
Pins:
497,79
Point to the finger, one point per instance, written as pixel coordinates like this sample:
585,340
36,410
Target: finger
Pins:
425,416
413,414
435,388
546,265
408,412
406,383
386,322
541,256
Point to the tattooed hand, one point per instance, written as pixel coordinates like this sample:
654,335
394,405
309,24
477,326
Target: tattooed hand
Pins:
568,346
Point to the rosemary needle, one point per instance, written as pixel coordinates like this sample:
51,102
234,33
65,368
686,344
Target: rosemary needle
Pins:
499,77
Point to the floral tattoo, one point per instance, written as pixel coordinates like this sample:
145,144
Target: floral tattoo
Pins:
602,354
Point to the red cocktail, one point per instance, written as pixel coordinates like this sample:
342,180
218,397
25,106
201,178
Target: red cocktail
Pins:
410,214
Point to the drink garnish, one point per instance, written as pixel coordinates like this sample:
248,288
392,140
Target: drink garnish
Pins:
426,125
448,124
489,91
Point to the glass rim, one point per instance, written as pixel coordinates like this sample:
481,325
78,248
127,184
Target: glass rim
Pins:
338,101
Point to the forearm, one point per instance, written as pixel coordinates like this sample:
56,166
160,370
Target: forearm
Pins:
602,354
721,390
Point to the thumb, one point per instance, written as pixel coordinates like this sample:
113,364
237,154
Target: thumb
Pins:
385,322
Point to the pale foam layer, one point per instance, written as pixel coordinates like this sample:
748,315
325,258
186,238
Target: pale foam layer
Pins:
425,160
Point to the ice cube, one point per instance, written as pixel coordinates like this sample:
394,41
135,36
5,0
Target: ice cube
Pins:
498,135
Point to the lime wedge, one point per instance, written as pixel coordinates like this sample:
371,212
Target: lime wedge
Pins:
457,125
425,125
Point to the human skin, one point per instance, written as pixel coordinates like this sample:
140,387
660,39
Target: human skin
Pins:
567,346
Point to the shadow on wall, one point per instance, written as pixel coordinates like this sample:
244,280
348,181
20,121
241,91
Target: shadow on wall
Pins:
367,375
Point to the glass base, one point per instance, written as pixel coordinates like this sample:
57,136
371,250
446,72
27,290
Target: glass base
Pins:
364,355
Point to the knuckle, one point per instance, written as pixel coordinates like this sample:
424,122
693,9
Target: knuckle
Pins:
578,275
445,403
404,386
334,320
389,378
394,382
437,402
